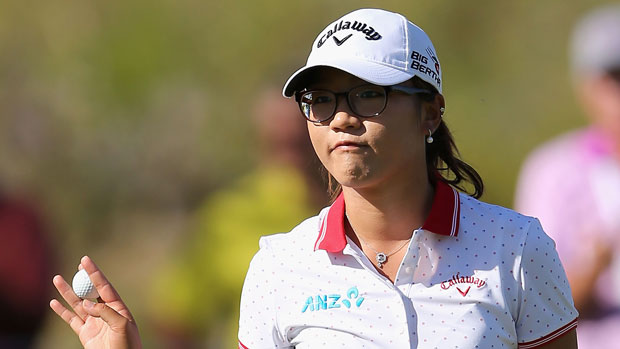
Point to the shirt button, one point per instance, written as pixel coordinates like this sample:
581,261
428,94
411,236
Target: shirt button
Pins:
409,270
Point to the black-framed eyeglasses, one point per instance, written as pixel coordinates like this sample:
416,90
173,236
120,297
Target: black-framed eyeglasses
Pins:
364,101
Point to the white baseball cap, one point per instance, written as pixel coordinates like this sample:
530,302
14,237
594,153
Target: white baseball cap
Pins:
595,46
378,46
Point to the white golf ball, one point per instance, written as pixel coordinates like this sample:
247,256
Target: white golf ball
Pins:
83,287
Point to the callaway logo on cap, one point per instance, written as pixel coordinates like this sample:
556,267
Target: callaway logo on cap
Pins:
377,46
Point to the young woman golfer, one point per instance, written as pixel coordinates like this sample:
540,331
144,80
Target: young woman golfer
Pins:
401,259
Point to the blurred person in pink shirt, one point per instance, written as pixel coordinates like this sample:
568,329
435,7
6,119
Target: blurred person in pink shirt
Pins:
572,183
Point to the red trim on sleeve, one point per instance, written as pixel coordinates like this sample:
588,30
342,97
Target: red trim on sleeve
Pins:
550,337
241,346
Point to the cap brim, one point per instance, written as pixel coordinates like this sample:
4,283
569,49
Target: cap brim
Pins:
372,72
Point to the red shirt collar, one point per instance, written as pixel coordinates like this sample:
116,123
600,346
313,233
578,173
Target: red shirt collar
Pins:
443,219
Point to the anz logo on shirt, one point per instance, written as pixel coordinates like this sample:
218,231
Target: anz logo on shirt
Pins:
331,301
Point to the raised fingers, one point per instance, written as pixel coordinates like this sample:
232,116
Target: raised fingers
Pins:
115,320
104,287
74,321
106,291
69,296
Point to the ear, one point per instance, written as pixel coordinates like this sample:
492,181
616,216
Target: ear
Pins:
431,113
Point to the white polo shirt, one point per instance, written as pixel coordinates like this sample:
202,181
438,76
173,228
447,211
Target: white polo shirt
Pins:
474,276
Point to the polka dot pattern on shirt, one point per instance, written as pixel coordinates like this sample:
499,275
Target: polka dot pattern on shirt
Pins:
498,283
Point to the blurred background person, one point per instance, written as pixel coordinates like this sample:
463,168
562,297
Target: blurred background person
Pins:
195,301
572,183
26,264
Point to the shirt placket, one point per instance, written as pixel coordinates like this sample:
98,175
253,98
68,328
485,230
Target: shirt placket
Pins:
399,290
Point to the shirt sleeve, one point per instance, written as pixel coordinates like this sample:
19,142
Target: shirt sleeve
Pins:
546,308
257,322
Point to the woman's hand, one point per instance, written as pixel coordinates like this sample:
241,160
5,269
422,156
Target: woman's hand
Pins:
107,324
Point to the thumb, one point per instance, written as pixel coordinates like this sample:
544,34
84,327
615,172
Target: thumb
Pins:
109,315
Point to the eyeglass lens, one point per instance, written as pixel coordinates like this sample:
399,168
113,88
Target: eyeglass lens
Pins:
365,101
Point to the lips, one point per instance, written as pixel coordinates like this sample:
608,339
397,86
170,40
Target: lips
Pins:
347,145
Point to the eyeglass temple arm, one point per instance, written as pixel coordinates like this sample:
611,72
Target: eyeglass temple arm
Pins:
408,90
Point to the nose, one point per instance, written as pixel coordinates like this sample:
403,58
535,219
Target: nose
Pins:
344,118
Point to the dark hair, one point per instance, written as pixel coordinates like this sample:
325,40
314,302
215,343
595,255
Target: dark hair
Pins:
442,158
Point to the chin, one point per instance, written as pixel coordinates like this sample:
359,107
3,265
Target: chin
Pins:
354,177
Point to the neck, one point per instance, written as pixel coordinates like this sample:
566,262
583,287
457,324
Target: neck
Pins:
389,214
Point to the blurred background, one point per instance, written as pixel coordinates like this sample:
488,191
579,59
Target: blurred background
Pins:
132,130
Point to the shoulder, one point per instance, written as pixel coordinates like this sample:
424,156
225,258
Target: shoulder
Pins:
560,149
550,174
479,214
511,232
566,142
508,232
299,240
278,253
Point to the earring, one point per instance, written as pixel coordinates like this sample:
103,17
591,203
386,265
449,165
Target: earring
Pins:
442,110
429,139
